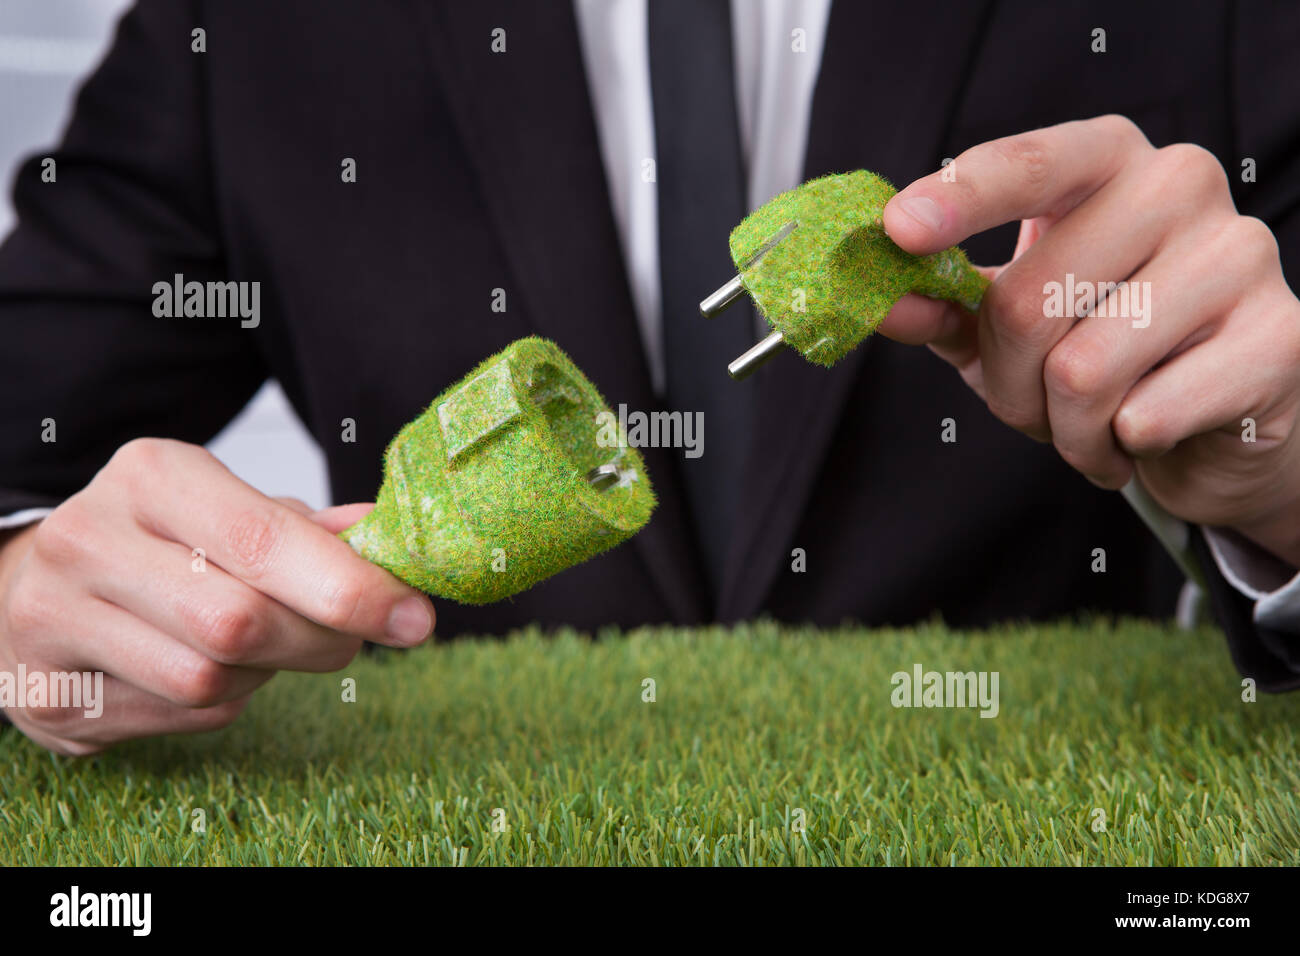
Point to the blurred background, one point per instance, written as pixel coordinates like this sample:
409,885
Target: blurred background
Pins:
47,48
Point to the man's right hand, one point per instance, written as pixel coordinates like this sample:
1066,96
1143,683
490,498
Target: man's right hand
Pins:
188,589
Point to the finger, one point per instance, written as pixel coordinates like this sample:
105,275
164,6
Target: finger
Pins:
942,325
1190,395
949,331
1175,302
100,636
1039,297
341,517
294,504
917,320
210,611
193,499
1044,172
124,713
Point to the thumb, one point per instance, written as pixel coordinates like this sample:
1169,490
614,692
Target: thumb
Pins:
341,517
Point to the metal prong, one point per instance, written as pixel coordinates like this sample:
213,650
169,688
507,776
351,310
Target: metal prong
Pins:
603,477
722,298
757,356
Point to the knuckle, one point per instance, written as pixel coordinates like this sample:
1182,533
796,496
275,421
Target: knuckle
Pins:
341,601
1241,246
65,534
1119,127
53,718
232,633
25,613
1138,432
139,456
1252,239
1016,415
1073,373
1096,461
253,539
1289,348
1193,167
141,465
1015,309
203,683
1028,157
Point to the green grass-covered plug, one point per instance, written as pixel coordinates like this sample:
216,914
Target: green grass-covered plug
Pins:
506,479
819,267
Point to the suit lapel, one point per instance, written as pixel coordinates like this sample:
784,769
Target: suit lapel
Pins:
525,118
889,84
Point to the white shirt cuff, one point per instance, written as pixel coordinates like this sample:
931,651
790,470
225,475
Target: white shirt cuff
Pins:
20,518
1269,581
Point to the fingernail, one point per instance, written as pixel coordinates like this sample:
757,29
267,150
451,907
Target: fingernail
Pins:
409,623
924,210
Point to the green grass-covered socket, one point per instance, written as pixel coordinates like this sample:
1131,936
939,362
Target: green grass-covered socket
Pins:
818,265
487,492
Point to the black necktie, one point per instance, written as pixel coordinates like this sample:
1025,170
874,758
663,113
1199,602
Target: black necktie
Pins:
701,183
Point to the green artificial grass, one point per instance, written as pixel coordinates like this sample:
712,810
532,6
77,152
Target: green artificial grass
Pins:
818,265
748,728
486,492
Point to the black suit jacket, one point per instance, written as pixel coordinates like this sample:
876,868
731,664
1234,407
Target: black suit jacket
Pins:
479,171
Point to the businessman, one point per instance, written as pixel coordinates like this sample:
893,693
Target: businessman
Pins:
412,185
